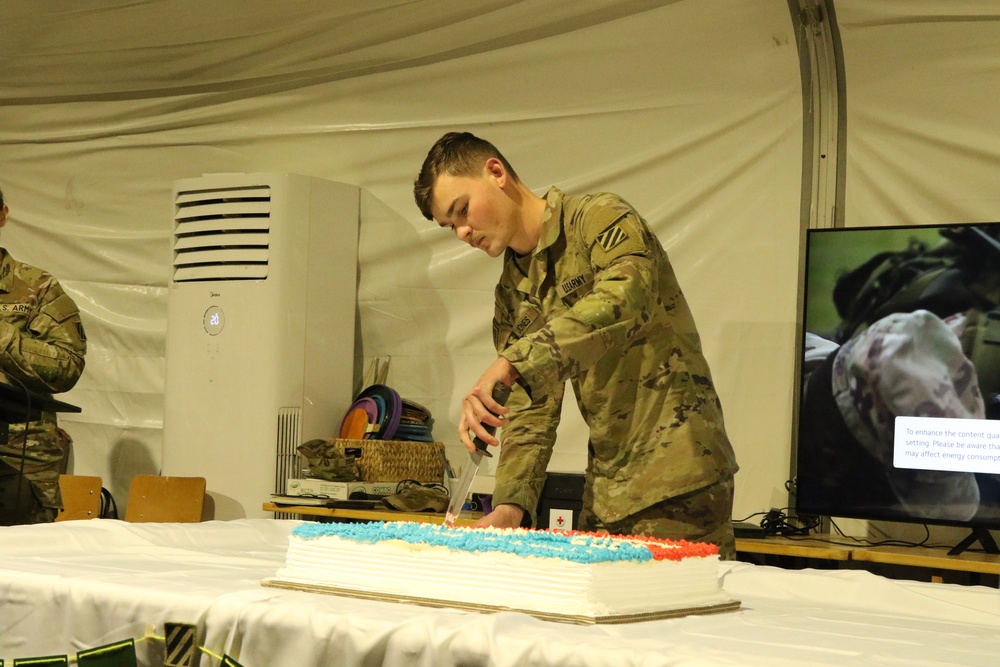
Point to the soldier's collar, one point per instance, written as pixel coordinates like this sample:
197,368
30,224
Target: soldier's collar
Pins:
551,221
523,272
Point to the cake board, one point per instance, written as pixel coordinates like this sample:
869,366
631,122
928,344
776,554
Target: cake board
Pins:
717,608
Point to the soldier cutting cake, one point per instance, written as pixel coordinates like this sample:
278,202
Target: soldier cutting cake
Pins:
587,294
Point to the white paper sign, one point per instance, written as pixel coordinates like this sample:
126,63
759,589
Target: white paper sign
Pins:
958,445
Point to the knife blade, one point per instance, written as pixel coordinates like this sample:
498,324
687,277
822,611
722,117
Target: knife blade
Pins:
500,393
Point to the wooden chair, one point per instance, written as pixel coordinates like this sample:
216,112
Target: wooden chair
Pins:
81,497
165,499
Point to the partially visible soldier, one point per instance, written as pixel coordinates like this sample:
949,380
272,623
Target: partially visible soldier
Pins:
42,348
587,294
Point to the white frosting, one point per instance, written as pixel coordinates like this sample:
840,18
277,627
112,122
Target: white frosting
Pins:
397,568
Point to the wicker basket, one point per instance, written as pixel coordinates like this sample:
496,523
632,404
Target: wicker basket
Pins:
395,460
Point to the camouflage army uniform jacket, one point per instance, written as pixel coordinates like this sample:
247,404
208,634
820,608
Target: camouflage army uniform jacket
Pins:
597,303
42,346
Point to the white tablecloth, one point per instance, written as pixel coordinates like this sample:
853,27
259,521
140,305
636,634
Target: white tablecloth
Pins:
73,585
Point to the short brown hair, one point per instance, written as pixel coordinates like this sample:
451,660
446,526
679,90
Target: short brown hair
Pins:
455,154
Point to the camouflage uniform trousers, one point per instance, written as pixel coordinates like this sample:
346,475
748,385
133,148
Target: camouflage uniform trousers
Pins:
18,502
703,515
37,463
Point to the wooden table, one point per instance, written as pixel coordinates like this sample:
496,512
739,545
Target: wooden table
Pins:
930,558
464,519
804,548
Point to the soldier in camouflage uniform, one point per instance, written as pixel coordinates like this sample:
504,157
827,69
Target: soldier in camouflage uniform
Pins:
42,347
588,295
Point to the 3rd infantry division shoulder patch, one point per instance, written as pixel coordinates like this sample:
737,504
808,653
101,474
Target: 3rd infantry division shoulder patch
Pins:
612,237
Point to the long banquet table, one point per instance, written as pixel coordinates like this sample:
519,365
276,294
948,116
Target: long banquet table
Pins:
74,585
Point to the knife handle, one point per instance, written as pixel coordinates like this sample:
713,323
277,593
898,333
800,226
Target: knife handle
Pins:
501,393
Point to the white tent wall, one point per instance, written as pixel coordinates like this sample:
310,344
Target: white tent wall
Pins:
923,82
923,135
690,109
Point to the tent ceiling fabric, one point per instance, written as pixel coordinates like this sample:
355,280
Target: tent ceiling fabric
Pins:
923,132
96,49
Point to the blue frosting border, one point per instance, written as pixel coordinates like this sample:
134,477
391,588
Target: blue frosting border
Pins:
539,543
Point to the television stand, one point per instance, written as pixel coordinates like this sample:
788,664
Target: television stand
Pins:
978,534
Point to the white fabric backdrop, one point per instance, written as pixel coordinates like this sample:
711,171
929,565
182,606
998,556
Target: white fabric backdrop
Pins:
690,110
923,140
923,135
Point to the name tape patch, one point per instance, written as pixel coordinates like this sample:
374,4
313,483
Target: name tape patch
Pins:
573,284
524,322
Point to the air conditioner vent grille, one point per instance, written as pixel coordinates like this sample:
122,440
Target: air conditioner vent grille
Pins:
222,234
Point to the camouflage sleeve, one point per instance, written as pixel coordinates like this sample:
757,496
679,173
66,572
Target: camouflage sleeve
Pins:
49,356
605,319
527,442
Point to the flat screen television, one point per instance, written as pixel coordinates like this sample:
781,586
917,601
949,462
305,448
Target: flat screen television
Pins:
897,417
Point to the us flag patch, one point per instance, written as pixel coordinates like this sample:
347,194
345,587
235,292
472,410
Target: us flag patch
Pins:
612,237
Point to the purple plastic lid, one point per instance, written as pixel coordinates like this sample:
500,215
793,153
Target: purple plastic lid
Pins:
389,418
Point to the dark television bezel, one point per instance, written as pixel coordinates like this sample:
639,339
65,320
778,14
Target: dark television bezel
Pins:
979,529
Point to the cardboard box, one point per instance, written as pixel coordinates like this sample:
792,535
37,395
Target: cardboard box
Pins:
316,487
380,489
337,490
